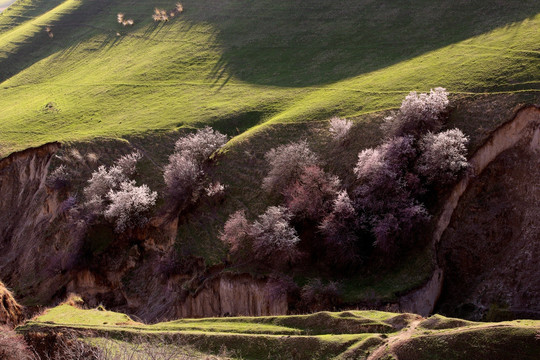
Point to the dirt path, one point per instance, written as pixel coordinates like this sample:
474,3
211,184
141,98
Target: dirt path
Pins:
389,344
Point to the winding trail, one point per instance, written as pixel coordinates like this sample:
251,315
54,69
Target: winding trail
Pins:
393,341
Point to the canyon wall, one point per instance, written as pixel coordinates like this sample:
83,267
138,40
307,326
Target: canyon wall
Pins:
522,133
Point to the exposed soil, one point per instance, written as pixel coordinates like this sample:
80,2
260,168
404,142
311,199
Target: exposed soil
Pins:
491,248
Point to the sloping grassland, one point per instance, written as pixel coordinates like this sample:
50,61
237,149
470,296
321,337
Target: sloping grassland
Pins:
70,72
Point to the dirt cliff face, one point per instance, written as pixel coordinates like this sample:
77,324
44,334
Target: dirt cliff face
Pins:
11,313
491,247
27,208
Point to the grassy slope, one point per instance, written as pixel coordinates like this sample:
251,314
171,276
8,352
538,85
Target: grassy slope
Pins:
235,65
318,336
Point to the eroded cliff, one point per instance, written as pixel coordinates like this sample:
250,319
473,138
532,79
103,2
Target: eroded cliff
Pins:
491,247
46,255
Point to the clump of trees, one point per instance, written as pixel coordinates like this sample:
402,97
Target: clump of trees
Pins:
311,195
164,15
286,163
120,17
111,193
184,175
270,239
418,114
384,209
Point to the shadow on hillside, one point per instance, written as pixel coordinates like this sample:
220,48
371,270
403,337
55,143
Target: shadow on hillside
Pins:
299,43
293,43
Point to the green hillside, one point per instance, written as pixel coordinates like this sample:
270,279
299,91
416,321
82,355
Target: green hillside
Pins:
323,335
236,64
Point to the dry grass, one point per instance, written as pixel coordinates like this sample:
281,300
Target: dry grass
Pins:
11,313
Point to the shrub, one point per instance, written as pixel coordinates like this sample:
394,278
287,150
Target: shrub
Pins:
184,174
128,163
59,178
215,190
339,229
418,114
129,205
200,145
184,180
388,191
318,296
339,128
13,346
286,164
103,180
160,15
236,232
110,193
310,197
442,157
386,162
274,239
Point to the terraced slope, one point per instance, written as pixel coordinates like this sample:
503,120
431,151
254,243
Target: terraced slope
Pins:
325,335
236,65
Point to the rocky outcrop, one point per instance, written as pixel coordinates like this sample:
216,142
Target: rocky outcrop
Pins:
11,313
233,296
422,301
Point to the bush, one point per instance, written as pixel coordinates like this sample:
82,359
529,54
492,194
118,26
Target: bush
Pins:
318,296
129,205
340,229
184,174
339,128
103,180
128,163
386,162
59,178
286,164
310,197
110,193
184,180
160,15
236,232
13,346
442,157
274,239
418,114
200,145
388,191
